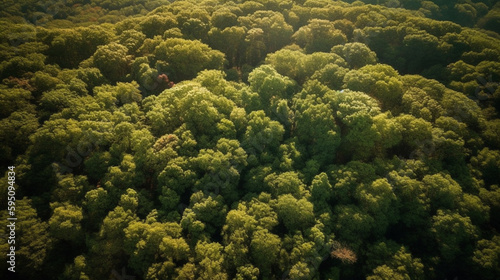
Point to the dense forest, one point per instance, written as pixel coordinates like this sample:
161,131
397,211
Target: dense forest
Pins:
265,139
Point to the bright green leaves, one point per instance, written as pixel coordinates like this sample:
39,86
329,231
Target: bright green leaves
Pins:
300,67
418,103
285,183
319,36
15,131
16,99
401,266
183,59
253,179
65,223
264,249
317,130
356,54
379,81
123,176
443,191
150,241
355,112
274,31
113,61
96,205
294,213
209,258
262,135
269,84
190,106
157,24
204,217
220,167
110,97
379,200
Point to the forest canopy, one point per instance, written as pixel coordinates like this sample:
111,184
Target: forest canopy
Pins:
265,139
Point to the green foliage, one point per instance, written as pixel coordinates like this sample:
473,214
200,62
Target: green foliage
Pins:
112,61
402,266
65,223
33,242
206,139
319,36
452,231
295,213
185,58
356,55
487,257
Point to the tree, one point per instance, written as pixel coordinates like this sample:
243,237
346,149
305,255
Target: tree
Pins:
356,54
421,50
264,249
220,168
185,58
157,24
123,176
352,224
194,22
321,193
68,47
379,81
17,66
209,258
354,112
95,206
15,131
443,191
463,109
255,44
269,84
285,183
295,214
204,217
33,242
417,136
348,177
453,233
315,126
389,132
487,257
131,39
401,266
112,61
107,248
331,75
276,32
487,164
65,223
319,36
223,18
418,103
247,272
230,41
15,99
379,200
414,204
262,135
149,242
